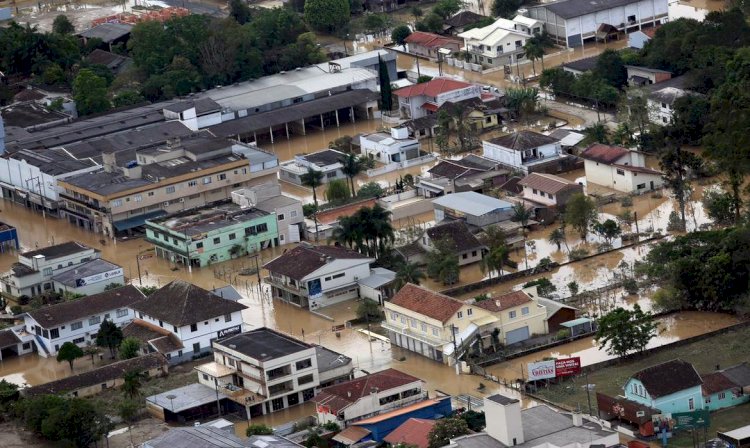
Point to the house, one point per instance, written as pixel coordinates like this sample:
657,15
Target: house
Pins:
265,371
194,316
525,150
639,39
212,233
89,278
662,97
381,426
672,386
393,147
581,66
428,45
378,286
114,62
538,426
160,179
476,210
425,98
572,23
569,138
726,387
102,378
327,161
619,169
317,276
33,272
110,34
643,76
413,432
519,315
470,173
557,314
500,43
548,189
195,114
15,341
288,211
370,395
457,236
78,321
458,23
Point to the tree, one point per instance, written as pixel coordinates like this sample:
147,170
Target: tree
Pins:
369,310
109,336
376,23
495,260
544,287
91,351
399,35
239,11
258,430
521,214
557,237
442,263
69,421
131,385
129,410
447,8
718,205
676,165
351,167
446,429
690,117
62,25
431,23
533,51
313,179
90,93
384,79
327,15
443,133
370,190
127,98
573,288
522,102
580,213
69,352
506,9
621,331
8,393
609,230
129,348
408,272
147,290
475,420
611,68
337,190
417,12
596,133
494,236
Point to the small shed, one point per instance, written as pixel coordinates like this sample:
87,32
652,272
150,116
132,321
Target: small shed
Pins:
606,32
582,325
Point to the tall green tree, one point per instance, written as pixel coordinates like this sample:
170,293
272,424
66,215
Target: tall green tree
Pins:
442,263
609,230
129,348
580,213
239,11
506,9
327,15
494,260
677,165
447,8
129,411
349,233
337,190
351,167
90,93
622,331
399,35
408,272
131,385
611,68
109,336
384,79
533,51
62,25
69,352
313,179
557,237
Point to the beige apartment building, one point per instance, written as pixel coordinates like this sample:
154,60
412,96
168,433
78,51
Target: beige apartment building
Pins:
155,181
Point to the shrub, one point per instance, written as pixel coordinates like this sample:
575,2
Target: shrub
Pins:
331,426
563,333
16,310
578,254
258,430
626,201
630,286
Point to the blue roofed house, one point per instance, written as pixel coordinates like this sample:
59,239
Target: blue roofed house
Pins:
672,386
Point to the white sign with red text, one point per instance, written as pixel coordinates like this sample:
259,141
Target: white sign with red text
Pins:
541,370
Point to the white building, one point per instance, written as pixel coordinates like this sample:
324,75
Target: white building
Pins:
619,169
371,395
194,316
89,278
317,276
35,269
426,98
389,148
195,114
327,161
268,197
79,320
266,371
500,43
548,189
573,22
378,286
524,150
661,100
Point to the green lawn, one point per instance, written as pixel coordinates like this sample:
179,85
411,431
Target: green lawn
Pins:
725,349
723,420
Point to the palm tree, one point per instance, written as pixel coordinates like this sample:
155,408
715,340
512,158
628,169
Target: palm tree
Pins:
408,272
522,215
375,225
132,383
348,233
533,51
494,236
352,166
494,260
543,41
313,179
557,237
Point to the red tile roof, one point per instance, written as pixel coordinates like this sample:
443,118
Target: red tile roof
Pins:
547,183
716,382
604,153
428,303
504,301
431,88
430,40
336,398
412,432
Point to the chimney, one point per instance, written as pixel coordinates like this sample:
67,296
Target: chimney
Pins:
505,415
109,161
577,418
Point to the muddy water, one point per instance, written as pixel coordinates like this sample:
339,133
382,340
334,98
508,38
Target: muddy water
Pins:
32,370
671,328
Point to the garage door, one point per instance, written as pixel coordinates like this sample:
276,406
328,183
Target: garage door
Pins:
518,335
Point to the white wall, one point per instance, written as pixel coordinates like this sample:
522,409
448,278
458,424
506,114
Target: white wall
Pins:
628,181
539,196
17,172
659,113
505,156
370,404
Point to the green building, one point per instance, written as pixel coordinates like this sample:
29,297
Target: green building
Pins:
212,234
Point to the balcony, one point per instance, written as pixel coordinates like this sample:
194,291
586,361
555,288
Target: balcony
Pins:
433,342
91,204
279,283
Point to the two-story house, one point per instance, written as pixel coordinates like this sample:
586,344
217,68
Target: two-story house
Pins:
288,211
265,370
78,321
386,148
327,161
527,151
426,98
428,45
619,169
548,194
193,315
89,278
317,276
457,236
33,272
672,386
520,315
368,396
500,43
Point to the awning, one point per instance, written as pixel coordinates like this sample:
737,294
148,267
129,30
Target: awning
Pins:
430,187
576,322
430,107
351,435
137,221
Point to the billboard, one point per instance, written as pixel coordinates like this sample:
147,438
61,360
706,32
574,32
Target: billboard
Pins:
101,277
228,331
554,368
691,420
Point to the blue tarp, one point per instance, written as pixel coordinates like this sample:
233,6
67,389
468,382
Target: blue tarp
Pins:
137,221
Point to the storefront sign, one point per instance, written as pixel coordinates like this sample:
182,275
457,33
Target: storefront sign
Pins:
104,276
568,366
228,331
541,370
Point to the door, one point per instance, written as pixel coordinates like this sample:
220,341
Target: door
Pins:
518,335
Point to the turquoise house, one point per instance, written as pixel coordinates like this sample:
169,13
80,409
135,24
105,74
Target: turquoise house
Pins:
212,234
672,386
726,388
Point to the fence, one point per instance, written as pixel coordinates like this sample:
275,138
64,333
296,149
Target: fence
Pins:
395,166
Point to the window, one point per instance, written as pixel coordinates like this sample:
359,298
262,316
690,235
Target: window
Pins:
722,395
150,193
227,318
403,320
550,196
170,189
47,271
138,198
469,312
232,236
708,399
620,172
161,324
117,203
413,323
631,19
197,347
260,228
489,61
424,328
434,331
460,314
95,320
281,217
293,213
199,245
174,328
217,240
192,183
473,253
206,180
304,364
464,256
512,315
222,176
394,316
79,340
193,327
525,310
305,379
635,389
76,326
691,404
54,333
331,175
534,190
121,313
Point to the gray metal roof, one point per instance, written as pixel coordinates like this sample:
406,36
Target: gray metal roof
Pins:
186,397
329,360
107,32
53,161
93,267
227,292
378,277
568,9
472,203
198,437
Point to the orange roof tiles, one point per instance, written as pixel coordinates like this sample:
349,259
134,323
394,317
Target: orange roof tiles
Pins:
428,303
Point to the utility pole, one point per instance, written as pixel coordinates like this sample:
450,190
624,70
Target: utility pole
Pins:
138,264
455,349
218,402
588,391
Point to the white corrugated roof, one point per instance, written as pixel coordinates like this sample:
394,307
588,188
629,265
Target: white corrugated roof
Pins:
472,203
